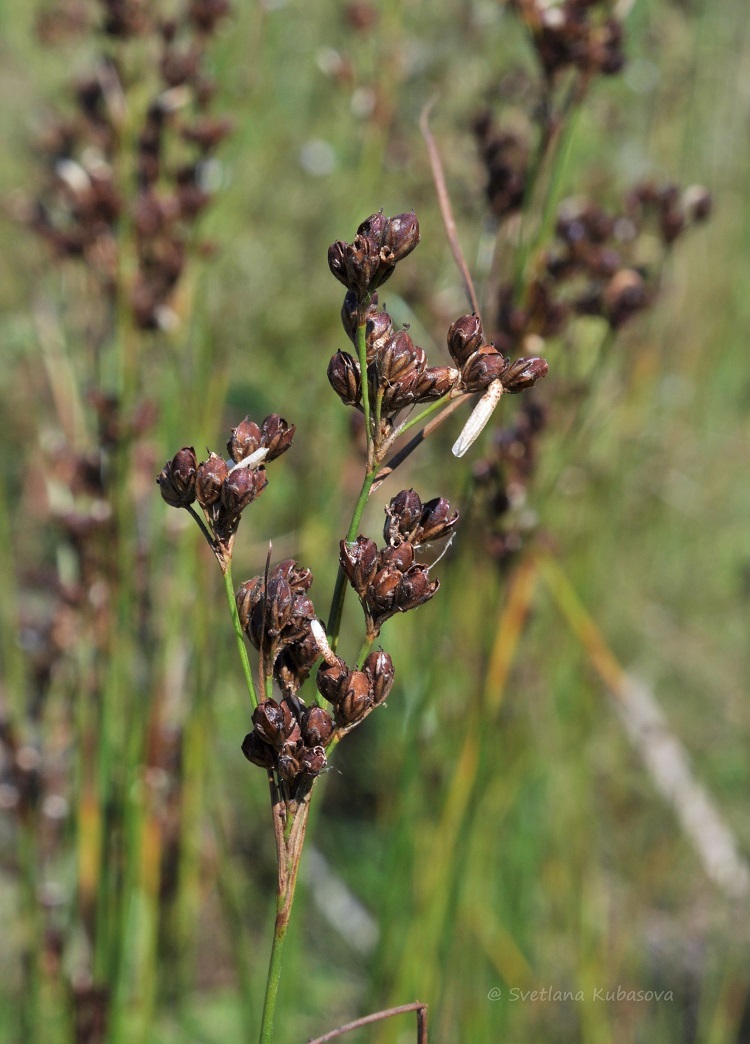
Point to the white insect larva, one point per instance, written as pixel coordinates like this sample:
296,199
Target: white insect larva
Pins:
478,419
321,640
252,460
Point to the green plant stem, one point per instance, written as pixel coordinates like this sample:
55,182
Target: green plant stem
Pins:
229,588
290,837
339,591
362,357
365,649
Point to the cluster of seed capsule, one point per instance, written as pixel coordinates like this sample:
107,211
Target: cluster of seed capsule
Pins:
579,34
79,209
223,489
389,580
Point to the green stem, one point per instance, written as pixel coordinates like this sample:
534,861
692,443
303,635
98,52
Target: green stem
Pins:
229,588
423,415
365,649
290,839
362,357
339,591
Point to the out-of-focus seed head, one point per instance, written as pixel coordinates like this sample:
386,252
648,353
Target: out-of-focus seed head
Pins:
209,480
177,478
624,296
343,374
380,670
317,726
244,440
524,373
697,203
258,751
276,435
241,487
465,337
359,562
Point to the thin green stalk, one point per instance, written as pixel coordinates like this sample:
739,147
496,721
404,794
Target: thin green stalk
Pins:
421,416
339,591
362,357
229,588
274,972
365,649
290,838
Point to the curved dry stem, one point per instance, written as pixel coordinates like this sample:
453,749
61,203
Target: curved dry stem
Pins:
378,1016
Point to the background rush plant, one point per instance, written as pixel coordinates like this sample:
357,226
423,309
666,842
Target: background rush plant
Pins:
385,382
92,760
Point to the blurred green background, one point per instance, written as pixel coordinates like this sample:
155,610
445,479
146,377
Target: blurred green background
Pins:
523,845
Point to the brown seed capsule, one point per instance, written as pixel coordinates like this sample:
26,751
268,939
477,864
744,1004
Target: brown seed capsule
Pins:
177,478
247,598
379,668
209,480
374,227
312,761
350,313
398,355
465,337
378,331
276,436
331,679
400,557
343,374
434,382
288,767
244,440
298,578
277,606
359,562
382,592
523,373
241,487
258,751
415,588
436,521
401,235
402,516
317,726
356,699
272,722
482,368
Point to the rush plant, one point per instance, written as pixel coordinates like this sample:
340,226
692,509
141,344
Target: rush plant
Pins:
389,383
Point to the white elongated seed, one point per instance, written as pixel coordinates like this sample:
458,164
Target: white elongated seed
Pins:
480,415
